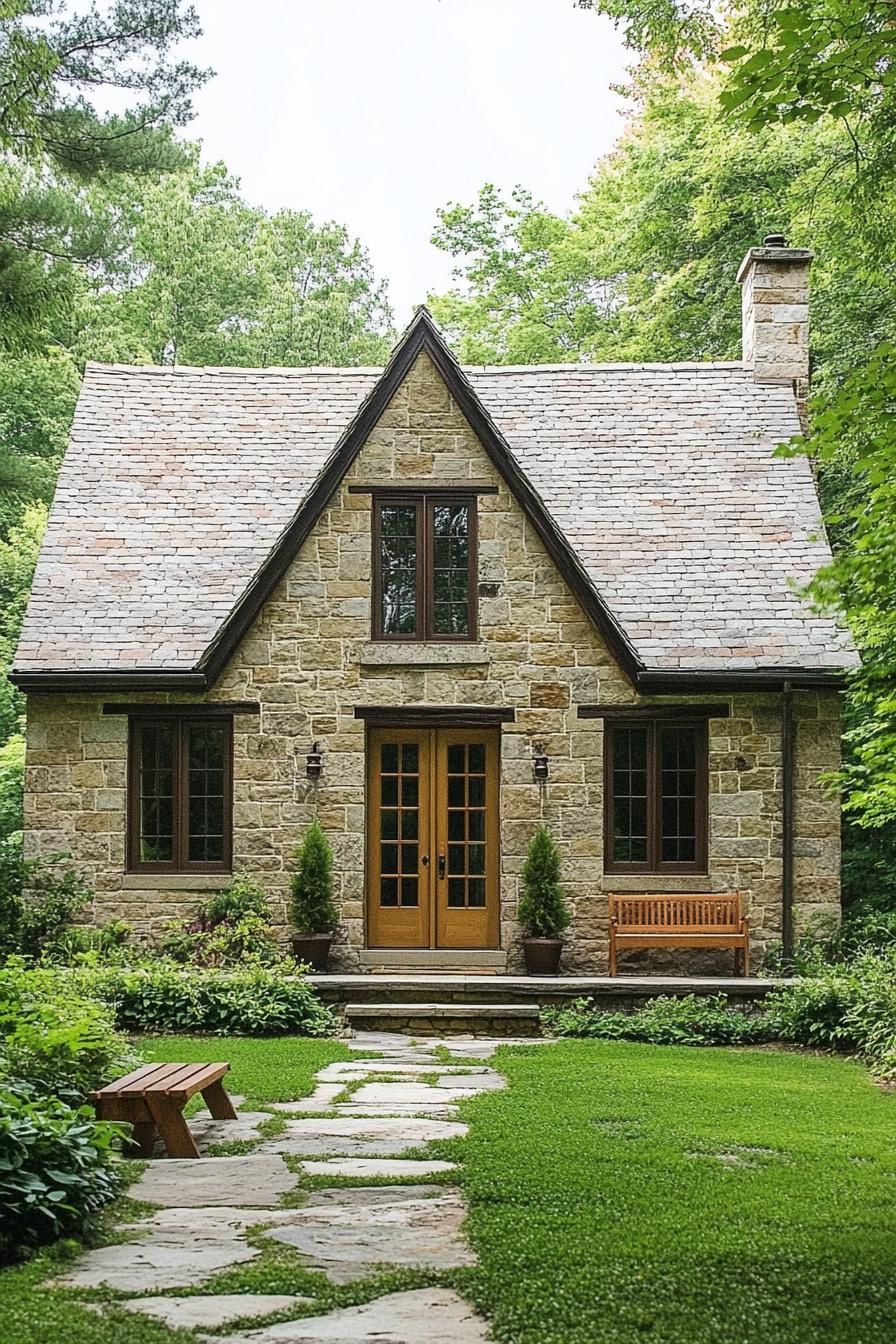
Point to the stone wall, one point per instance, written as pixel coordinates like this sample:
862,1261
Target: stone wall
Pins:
308,663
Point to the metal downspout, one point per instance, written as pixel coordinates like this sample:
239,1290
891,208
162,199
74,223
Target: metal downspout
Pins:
787,823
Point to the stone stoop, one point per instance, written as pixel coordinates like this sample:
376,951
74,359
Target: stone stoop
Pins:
445,1019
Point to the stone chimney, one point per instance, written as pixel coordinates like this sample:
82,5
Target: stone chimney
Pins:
774,280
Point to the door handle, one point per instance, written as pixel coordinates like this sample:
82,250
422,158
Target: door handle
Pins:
424,859
441,865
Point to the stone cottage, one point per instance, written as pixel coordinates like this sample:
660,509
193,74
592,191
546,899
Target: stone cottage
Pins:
432,606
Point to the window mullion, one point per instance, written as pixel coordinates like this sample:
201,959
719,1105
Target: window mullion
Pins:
182,804
425,577
655,802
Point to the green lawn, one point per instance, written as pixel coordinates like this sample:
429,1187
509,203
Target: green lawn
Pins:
262,1070
624,1193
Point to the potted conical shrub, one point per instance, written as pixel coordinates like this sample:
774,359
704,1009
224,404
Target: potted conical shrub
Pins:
313,912
542,911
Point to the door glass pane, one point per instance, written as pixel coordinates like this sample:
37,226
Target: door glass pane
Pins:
398,567
630,794
466,851
156,754
678,790
399,787
450,550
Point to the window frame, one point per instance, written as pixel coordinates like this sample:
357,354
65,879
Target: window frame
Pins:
425,503
180,863
654,862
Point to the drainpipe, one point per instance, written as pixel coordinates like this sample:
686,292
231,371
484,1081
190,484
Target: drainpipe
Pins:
787,824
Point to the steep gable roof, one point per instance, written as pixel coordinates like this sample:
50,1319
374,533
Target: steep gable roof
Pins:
186,493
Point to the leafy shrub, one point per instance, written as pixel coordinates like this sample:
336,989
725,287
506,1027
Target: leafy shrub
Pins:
12,778
311,884
62,1042
542,910
849,1006
692,1020
82,942
39,898
55,1169
249,1000
233,926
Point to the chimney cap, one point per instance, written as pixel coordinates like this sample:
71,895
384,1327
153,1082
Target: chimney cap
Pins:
776,251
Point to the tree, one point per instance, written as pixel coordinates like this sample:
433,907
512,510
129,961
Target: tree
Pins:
204,278
542,909
37,398
55,64
18,557
311,884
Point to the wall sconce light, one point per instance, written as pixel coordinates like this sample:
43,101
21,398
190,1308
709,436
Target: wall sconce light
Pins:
314,762
539,763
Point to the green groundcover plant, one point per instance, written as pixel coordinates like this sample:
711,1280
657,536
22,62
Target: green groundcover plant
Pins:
690,1020
251,1000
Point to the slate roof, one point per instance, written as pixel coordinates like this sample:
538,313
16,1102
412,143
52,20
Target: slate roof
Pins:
178,482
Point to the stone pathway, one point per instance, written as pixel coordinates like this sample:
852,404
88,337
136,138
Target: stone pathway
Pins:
362,1118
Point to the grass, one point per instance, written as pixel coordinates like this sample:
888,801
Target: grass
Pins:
262,1069
624,1193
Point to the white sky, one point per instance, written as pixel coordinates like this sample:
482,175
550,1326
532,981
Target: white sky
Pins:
376,112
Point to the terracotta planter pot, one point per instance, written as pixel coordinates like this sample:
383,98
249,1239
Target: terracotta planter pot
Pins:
542,955
313,948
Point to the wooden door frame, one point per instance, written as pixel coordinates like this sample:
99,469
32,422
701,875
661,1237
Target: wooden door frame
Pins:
432,746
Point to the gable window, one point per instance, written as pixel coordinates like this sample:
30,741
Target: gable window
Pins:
424,566
179,795
656,810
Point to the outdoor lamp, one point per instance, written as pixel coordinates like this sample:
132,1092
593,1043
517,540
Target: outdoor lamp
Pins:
539,763
314,762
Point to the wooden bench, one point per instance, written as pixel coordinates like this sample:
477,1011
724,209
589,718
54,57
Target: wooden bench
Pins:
680,921
152,1099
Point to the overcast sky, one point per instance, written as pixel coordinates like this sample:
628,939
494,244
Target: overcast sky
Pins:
376,112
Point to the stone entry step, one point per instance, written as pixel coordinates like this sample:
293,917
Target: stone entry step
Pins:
446,1019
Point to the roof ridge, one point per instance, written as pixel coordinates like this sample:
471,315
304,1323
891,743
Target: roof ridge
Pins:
699,366
157,370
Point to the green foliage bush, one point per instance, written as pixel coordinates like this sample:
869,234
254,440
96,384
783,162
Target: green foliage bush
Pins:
665,1020
61,1041
848,1006
55,1169
311,884
232,927
39,898
542,910
251,1000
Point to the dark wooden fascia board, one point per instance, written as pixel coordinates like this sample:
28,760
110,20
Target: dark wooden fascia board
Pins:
424,488
421,335
674,682
722,710
64,683
223,710
436,716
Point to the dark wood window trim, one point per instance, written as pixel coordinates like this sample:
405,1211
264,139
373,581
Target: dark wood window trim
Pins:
422,716
224,710
641,712
180,724
425,503
442,489
654,862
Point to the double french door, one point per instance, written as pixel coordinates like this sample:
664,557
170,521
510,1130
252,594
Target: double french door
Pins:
432,843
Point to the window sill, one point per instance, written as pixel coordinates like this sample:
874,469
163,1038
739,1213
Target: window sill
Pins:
658,882
423,655
175,881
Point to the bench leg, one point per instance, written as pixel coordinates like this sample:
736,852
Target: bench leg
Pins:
612,954
172,1126
143,1138
218,1102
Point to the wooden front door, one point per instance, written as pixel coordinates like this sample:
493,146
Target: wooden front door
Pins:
432,838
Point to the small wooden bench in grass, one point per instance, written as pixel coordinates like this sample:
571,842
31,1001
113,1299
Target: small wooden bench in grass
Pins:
152,1099
680,921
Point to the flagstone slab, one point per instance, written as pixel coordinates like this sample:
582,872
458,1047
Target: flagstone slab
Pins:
376,1166
253,1181
434,1112
472,1082
363,1136
405,1094
436,1315
207,1131
349,1233
176,1248
191,1313
360,1068
320,1099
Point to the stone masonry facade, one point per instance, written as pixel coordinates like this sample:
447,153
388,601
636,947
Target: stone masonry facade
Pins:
308,662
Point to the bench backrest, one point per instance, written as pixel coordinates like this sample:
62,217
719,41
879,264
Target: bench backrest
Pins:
666,913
